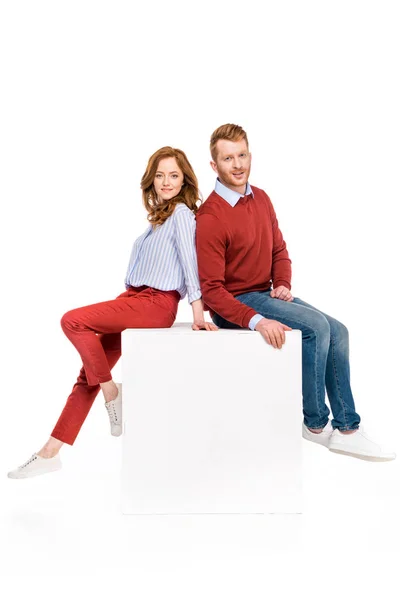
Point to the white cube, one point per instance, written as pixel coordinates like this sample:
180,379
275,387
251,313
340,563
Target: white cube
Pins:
212,422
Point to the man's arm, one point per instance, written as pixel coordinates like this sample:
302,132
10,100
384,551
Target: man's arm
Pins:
211,248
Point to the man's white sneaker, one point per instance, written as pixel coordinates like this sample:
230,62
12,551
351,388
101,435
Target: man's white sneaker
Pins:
36,465
359,445
319,438
114,409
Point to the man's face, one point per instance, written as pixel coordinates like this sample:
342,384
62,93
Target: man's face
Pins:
233,164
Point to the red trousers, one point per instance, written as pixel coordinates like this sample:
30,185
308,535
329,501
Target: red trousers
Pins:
95,331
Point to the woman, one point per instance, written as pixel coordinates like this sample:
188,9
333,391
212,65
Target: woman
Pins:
162,270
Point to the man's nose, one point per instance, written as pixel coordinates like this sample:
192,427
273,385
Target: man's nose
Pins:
237,162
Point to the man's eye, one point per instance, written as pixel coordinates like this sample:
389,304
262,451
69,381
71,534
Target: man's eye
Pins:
243,154
228,158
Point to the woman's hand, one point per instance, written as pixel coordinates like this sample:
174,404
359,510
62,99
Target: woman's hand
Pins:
199,324
198,317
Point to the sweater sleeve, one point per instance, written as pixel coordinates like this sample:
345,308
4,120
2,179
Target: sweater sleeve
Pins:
211,248
281,264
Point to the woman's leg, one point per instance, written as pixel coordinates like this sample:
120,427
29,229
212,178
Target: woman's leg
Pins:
51,448
80,401
95,331
83,395
90,329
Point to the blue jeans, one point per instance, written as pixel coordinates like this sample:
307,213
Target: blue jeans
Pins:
325,357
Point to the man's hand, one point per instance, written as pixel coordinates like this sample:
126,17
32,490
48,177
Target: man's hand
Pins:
282,293
273,332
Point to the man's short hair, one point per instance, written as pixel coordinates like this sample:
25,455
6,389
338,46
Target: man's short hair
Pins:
233,133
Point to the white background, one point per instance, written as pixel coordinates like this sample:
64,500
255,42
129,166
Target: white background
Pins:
88,91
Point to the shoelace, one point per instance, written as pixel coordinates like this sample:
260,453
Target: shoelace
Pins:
31,459
111,412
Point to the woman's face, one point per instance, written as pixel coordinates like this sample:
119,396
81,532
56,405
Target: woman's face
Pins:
168,179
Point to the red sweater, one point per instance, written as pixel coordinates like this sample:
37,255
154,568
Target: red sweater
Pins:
239,249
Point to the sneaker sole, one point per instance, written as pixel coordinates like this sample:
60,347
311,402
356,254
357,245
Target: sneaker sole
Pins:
362,456
28,475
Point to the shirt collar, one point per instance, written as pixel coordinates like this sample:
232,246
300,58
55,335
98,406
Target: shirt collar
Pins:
229,195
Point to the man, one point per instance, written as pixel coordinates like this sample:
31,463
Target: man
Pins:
245,277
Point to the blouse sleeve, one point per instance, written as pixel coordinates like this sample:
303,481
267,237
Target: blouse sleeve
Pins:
185,230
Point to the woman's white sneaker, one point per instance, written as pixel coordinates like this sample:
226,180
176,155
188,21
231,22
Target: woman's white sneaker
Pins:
319,438
114,409
359,445
36,465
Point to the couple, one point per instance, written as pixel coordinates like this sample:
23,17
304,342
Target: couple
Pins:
230,258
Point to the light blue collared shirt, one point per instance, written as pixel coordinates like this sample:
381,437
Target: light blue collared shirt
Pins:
233,198
229,195
165,257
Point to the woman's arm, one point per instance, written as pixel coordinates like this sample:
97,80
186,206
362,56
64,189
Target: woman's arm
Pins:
198,317
185,227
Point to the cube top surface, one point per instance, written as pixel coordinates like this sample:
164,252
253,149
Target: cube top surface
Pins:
186,328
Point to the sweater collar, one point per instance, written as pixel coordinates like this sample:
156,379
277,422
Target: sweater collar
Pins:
229,195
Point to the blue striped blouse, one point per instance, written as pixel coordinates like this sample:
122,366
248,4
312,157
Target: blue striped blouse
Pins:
165,257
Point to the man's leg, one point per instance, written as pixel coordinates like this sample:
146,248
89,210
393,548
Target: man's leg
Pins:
337,378
316,334
325,361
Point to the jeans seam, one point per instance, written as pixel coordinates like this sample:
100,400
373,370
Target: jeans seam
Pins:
337,381
317,374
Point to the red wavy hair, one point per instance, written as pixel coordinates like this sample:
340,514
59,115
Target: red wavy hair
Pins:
159,210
